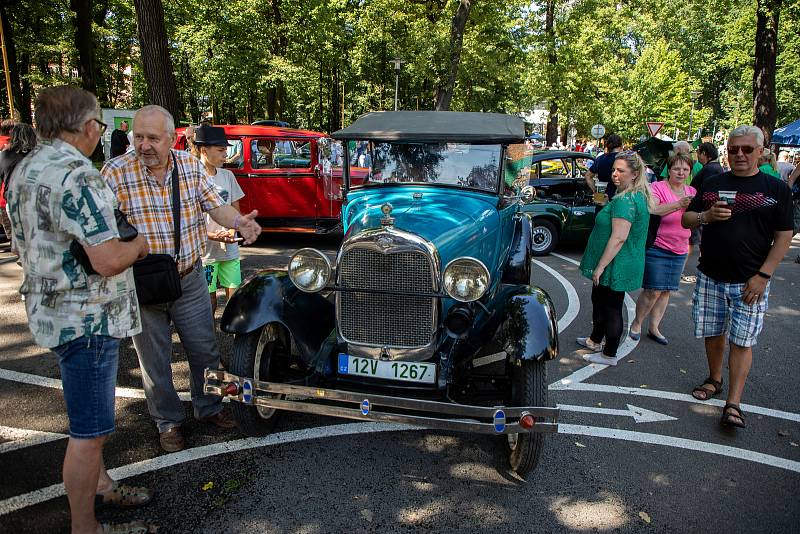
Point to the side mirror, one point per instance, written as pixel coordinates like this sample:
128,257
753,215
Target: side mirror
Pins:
528,193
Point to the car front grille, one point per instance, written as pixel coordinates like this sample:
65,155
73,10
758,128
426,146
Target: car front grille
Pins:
392,320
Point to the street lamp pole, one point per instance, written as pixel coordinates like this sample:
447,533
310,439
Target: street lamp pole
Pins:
397,62
694,95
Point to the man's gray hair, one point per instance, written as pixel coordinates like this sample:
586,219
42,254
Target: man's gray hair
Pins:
682,147
744,130
169,122
63,109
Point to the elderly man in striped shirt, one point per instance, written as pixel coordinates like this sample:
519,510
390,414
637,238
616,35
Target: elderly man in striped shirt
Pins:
142,182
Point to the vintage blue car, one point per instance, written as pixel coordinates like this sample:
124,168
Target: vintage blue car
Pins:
427,316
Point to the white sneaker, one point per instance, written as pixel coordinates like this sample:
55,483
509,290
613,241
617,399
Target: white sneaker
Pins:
598,357
589,344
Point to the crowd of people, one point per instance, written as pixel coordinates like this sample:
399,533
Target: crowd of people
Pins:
151,201
744,219
57,200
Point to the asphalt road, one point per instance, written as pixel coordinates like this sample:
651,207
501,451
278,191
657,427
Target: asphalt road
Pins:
606,470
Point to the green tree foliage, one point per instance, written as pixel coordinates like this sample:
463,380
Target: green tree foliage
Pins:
321,63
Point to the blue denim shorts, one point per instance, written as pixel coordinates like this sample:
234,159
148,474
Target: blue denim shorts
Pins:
89,377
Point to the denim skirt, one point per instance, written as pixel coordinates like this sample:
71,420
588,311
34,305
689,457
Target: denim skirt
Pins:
662,269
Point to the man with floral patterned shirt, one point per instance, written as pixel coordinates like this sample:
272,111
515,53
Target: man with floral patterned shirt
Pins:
57,196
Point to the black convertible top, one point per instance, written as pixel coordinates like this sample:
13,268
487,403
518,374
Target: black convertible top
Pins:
436,126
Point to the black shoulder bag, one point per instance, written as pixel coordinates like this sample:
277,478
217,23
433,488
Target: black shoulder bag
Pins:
156,275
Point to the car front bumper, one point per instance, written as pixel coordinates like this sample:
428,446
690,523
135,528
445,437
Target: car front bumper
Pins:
368,407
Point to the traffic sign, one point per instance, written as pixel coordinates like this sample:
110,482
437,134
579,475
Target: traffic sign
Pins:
654,127
598,131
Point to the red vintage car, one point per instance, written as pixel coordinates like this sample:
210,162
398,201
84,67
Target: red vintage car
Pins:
292,177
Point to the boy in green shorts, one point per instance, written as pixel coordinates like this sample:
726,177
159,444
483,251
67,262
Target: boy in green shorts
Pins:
221,260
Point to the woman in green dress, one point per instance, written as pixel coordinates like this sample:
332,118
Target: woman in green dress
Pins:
614,255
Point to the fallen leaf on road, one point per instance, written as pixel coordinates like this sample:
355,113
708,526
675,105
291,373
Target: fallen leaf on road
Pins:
366,514
207,486
579,444
643,386
783,433
645,517
683,371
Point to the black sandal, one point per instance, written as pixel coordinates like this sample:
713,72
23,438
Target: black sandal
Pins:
729,419
708,393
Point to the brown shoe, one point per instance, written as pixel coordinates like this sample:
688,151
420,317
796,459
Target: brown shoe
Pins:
222,419
172,440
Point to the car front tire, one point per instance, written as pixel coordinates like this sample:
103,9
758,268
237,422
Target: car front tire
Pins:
529,388
255,356
544,237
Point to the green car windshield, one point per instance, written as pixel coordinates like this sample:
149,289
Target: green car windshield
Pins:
453,164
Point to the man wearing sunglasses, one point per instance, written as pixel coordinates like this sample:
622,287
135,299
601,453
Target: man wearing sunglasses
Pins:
747,219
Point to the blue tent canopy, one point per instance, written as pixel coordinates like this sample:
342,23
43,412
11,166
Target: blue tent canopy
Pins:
787,135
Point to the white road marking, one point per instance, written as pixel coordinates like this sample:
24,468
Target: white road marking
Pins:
573,302
21,438
19,502
54,383
681,443
640,415
669,395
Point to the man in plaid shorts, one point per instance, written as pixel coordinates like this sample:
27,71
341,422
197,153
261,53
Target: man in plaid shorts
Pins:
747,219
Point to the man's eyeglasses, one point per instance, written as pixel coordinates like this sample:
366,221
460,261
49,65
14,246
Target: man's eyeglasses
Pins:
103,126
745,149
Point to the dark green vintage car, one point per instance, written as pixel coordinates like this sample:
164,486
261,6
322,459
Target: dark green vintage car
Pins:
563,210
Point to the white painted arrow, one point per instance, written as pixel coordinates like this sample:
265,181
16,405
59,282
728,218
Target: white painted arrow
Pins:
640,415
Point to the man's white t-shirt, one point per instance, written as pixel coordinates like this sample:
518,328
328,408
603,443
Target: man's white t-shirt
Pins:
228,188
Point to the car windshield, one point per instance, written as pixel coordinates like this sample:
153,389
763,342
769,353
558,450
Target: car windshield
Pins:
455,164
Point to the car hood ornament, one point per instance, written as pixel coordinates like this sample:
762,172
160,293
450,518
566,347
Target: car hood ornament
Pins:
387,219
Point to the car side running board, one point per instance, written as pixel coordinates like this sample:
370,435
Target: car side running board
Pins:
367,407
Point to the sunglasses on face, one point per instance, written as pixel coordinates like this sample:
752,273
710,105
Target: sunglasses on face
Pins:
745,149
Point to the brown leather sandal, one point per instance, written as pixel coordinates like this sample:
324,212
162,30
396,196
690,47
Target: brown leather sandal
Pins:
708,393
123,496
134,527
730,413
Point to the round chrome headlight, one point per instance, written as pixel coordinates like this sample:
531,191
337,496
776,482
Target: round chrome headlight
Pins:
309,269
466,279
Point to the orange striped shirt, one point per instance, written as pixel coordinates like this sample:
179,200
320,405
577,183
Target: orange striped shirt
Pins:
148,204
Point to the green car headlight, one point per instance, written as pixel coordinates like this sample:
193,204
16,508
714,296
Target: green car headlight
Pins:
309,270
466,279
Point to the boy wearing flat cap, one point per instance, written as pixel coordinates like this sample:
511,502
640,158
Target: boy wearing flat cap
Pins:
221,261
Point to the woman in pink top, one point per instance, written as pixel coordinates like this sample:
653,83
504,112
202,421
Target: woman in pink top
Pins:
664,260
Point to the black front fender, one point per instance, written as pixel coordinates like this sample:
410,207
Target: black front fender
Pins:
529,330
518,267
271,297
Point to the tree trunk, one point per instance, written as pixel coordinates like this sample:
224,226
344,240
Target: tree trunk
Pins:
764,107
156,62
84,43
444,94
551,134
19,110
